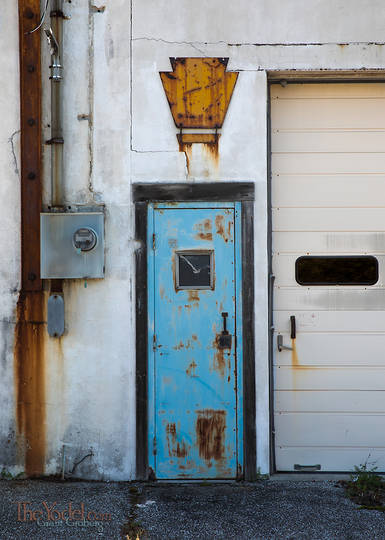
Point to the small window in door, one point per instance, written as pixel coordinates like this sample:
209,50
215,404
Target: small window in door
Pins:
337,270
194,269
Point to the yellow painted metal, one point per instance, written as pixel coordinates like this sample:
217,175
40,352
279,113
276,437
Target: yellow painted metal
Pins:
205,138
199,91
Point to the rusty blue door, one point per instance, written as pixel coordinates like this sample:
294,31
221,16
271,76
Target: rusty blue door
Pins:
195,338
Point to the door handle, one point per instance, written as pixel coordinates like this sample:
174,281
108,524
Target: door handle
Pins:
224,339
293,330
293,335
280,344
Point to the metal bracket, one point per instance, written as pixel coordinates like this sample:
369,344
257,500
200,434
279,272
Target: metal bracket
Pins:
55,315
280,344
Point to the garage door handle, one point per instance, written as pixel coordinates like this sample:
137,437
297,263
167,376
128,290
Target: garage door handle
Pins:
292,327
280,344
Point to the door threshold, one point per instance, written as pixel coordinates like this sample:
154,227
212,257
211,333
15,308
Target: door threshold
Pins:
308,476
203,481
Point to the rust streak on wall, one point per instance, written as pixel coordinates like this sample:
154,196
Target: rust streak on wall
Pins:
212,150
187,149
29,372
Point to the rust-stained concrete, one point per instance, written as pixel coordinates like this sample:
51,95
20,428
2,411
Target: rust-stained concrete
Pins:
29,370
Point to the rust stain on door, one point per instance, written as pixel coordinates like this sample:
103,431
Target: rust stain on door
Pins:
204,230
193,296
210,431
190,371
29,370
221,229
219,363
175,448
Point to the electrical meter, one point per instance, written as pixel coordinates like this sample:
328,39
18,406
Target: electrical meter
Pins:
85,239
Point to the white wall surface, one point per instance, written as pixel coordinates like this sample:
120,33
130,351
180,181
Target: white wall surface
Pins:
91,370
9,221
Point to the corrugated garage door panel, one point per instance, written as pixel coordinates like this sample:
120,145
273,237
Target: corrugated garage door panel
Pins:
327,401
307,141
342,91
326,114
328,197
334,355
308,190
340,299
329,219
352,430
343,457
338,378
329,163
332,322
329,242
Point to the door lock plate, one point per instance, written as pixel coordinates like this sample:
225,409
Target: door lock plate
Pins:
224,341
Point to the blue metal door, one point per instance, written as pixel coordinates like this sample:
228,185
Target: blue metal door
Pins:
195,340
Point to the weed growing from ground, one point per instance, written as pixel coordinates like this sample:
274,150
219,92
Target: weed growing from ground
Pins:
366,488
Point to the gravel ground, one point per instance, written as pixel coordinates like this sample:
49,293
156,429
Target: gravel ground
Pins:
266,510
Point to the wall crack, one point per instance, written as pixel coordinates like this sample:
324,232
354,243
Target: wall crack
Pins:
12,143
196,44
154,151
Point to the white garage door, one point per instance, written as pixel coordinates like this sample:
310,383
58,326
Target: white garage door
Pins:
328,199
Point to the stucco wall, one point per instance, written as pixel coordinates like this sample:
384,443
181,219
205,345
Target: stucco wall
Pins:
9,228
91,369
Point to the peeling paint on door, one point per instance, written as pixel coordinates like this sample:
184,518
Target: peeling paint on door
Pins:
194,400
210,429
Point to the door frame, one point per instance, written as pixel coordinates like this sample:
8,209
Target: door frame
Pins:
143,195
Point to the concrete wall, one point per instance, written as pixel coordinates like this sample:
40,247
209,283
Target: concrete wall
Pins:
107,78
9,223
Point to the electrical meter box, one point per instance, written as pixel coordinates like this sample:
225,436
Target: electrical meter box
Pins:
72,245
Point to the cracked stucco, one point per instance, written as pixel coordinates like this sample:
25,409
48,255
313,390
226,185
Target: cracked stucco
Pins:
245,44
11,141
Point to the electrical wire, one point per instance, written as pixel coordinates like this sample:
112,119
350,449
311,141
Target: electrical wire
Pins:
41,19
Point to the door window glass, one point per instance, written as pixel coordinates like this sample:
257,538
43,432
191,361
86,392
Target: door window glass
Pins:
194,269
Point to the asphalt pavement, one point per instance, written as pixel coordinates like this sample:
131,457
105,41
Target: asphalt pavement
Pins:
289,508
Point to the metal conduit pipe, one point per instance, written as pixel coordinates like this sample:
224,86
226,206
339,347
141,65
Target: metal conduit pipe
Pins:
55,311
55,38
